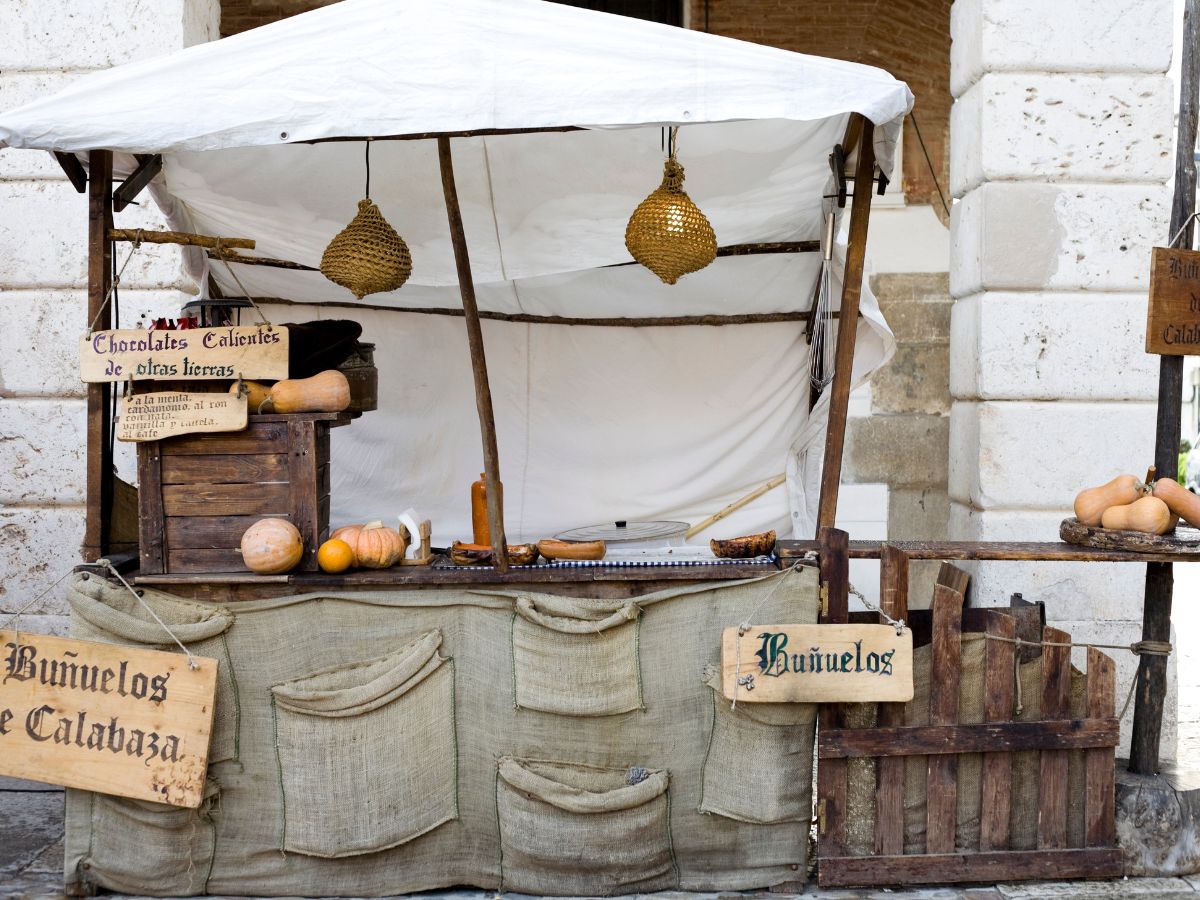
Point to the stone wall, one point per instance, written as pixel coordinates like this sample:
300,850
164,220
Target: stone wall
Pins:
1061,149
43,300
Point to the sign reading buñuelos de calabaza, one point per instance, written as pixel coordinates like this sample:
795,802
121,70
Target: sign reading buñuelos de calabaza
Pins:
118,720
817,664
250,351
1173,317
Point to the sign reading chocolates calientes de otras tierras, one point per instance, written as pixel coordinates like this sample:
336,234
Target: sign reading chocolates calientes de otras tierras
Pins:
254,351
101,717
817,664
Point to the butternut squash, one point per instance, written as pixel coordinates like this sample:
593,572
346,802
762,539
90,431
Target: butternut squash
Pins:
1148,515
327,391
1121,491
1179,500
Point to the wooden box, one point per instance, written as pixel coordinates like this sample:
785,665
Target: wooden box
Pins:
199,493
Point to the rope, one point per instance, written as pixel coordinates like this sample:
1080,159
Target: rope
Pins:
898,624
137,242
105,564
17,615
929,163
220,251
745,625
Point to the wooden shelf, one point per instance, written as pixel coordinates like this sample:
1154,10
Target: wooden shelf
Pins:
1047,551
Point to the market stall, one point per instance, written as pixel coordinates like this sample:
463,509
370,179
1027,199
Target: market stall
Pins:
441,707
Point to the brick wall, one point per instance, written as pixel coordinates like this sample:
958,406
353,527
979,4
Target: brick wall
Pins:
908,38
242,15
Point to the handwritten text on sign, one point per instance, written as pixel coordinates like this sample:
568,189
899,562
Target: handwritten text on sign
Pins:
1173,315
189,353
817,664
118,720
152,417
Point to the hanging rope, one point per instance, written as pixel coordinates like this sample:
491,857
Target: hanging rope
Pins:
746,623
106,564
116,280
929,163
220,251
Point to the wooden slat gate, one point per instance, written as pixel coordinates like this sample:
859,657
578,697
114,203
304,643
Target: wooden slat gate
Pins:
890,742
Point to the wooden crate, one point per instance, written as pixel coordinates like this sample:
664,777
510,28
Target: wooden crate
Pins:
890,742
199,493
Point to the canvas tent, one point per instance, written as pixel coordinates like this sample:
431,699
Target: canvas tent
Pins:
594,423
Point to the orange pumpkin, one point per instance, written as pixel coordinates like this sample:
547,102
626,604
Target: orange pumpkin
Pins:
272,546
375,546
335,556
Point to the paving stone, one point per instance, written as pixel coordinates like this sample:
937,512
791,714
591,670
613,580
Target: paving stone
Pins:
1158,826
1159,888
32,822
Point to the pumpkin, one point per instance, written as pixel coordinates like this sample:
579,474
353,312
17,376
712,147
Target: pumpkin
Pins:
1179,500
1149,515
272,546
335,556
375,546
327,391
1121,491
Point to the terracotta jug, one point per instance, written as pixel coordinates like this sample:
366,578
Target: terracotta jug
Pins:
479,512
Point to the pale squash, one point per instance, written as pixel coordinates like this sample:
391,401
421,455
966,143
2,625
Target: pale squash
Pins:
257,394
327,391
1121,491
375,545
272,546
1148,515
1179,500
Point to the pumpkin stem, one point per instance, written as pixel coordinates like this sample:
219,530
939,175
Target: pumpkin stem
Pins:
378,523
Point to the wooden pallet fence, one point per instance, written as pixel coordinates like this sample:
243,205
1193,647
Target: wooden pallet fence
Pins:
890,744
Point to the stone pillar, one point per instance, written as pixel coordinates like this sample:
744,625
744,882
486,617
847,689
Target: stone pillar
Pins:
43,278
1061,140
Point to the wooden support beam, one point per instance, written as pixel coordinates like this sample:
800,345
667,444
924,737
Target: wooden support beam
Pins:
833,774
483,392
1160,582
839,394
99,311
179,237
148,168
442,135
73,169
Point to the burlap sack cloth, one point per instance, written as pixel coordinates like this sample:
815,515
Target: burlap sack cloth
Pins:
380,743
860,798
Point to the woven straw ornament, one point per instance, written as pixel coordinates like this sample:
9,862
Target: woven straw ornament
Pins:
667,233
367,256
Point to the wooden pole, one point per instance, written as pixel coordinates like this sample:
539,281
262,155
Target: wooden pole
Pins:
99,396
839,395
1156,610
483,392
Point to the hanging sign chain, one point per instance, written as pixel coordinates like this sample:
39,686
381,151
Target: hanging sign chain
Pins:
220,251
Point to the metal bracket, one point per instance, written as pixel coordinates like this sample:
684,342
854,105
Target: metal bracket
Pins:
837,162
820,817
824,595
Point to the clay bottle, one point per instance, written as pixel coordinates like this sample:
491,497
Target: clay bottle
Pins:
479,513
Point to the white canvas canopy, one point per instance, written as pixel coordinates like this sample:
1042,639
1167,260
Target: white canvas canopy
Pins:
594,423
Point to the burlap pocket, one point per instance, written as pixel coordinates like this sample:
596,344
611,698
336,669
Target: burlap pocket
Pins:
111,615
180,841
570,829
368,756
576,657
759,762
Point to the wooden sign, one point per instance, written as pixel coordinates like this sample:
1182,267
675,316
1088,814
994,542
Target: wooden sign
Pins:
817,664
1173,317
253,351
152,417
118,720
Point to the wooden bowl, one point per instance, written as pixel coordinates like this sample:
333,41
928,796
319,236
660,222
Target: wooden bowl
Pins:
480,554
745,547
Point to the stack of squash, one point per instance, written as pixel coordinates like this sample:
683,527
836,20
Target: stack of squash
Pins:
1128,504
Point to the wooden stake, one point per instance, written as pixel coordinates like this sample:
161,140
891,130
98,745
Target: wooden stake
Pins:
1156,610
483,392
99,311
839,395
737,504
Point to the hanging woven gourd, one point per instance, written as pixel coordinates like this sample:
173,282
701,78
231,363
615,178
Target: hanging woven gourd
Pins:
667,233
367,256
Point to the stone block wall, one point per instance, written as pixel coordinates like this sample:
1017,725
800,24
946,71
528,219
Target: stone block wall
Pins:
43,265
1061,141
